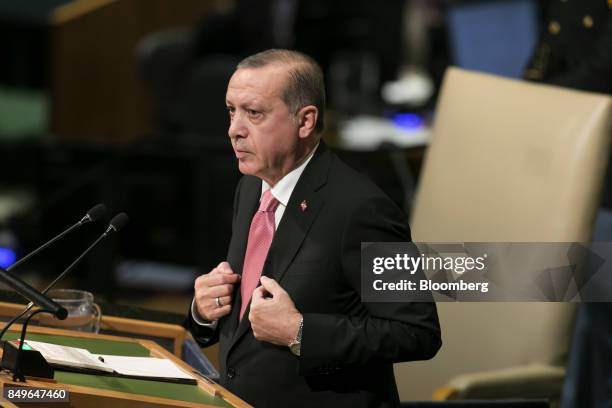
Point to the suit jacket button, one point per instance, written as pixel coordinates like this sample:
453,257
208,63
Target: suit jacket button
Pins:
554,27
231,373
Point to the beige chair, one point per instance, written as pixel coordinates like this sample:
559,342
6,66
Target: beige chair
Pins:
509,161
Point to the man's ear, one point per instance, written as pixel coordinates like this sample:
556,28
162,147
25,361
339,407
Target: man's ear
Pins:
307,120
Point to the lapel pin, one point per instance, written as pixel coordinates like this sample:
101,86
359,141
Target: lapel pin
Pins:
303,206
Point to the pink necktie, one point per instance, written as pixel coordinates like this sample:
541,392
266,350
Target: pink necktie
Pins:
260,238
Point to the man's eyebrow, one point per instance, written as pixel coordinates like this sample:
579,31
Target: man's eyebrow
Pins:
246,105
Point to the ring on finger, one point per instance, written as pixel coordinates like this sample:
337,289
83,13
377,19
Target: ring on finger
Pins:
218,301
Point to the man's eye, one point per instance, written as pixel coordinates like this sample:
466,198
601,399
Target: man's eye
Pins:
253,113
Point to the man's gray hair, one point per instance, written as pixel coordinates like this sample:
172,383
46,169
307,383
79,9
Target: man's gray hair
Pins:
305,85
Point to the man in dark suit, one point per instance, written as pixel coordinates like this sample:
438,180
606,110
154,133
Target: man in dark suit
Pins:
575,51
575,46
302,338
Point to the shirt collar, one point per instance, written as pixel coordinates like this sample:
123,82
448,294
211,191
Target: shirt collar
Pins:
283,189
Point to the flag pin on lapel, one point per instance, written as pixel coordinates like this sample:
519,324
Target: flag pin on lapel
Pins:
303,206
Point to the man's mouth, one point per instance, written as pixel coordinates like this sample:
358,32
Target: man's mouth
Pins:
241,153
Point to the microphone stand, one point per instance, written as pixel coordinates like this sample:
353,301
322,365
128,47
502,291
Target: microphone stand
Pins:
60,276
116,224
17,374
11,359
35,362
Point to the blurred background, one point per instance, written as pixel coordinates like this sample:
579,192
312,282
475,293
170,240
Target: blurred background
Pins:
122,102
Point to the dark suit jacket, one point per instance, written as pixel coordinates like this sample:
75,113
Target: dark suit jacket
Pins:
348,347
575,47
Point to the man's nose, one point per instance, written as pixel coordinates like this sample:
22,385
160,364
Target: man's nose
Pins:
236,127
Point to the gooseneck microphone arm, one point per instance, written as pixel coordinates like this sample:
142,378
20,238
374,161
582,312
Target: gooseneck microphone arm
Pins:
116,224
45,245
94,213
74,263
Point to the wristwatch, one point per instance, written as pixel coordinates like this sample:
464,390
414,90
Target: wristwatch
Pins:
296,344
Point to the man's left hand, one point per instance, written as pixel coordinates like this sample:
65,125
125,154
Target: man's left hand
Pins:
273,315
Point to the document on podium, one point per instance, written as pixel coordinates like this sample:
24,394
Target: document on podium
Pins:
81,360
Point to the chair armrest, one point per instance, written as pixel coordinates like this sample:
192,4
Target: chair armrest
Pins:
533,381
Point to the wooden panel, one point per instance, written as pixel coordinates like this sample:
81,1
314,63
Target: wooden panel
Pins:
96,95
120,324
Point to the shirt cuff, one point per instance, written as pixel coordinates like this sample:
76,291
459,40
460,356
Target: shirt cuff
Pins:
199,319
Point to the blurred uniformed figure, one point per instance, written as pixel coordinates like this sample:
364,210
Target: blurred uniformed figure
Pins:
575,47
575,51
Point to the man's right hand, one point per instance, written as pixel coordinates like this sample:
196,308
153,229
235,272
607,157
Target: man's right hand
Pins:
218,283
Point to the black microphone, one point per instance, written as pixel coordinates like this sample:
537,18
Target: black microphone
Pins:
115,225
32,294
96,212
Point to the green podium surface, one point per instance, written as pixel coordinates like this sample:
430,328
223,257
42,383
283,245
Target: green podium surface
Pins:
189,394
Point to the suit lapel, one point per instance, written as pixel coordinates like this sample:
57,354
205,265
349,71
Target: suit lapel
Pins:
292,229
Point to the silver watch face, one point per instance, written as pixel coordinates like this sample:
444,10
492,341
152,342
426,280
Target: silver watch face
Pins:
295,348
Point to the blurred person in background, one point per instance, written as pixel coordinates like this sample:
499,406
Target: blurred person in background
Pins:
575,47
575,51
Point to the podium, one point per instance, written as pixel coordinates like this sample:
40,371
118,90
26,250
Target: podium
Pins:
90,390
